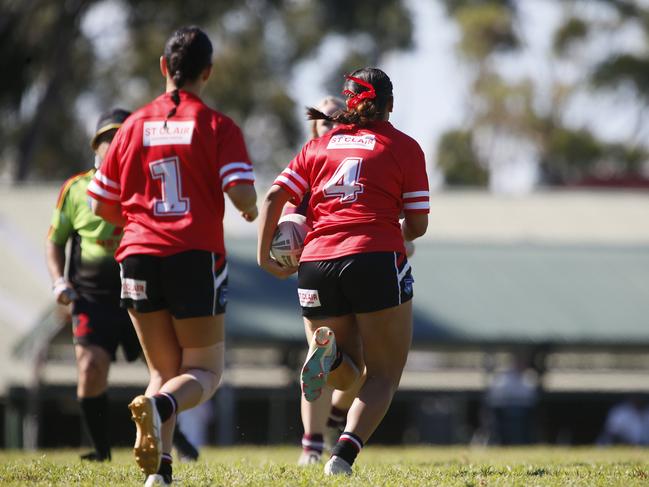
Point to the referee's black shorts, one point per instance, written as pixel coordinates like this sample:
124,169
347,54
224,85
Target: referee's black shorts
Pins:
358,283
106,325
189,284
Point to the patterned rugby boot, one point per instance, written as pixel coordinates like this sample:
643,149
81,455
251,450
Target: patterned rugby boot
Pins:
337,466
157,479
148,445
321,356
309,458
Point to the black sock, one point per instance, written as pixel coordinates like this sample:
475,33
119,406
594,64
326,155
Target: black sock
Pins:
314,442
349,445
186,449
94,412
337,418
337,361
165,467
166,405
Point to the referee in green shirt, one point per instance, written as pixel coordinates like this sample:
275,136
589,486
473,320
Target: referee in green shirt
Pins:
92,285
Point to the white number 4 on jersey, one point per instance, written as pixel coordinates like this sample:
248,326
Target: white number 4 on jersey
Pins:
344,182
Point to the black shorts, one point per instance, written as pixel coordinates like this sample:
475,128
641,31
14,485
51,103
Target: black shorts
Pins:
105,325
359,283
189,284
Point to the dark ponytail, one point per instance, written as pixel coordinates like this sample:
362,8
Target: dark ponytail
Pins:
361,110
175,97
187,53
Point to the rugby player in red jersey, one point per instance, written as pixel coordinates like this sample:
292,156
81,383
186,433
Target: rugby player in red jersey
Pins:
163,180
322,420
354,280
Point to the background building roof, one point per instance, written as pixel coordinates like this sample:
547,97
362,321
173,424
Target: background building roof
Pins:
560,267
479,294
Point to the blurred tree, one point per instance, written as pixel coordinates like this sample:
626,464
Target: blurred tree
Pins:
258,44
570,32
625,68
43,63
486,28
568,153
452,6
459,161
533,111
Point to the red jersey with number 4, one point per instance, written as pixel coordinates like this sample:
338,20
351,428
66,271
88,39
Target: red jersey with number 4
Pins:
361,179
170,180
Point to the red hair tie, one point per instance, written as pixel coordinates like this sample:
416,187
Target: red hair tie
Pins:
356,98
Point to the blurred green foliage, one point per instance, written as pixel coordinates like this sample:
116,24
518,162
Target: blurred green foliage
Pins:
459,161
624,69
533,111
55,69
44,62
571,31
53,72
485,28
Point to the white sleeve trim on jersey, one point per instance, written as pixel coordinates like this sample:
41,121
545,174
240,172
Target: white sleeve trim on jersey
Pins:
416,194
235,165
104,180
417,205
297,177
93,187
247,176
291,184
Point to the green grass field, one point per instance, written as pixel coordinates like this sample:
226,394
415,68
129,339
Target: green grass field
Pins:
377,466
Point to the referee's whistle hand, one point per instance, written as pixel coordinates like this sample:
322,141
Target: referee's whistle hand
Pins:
66,296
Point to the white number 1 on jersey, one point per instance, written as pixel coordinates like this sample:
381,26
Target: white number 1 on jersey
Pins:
172,202
344,182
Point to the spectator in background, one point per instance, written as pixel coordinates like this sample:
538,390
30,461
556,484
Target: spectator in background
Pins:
627,423
511,401
195,426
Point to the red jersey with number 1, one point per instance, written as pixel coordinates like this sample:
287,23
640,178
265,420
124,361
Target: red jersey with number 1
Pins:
170,180
361,179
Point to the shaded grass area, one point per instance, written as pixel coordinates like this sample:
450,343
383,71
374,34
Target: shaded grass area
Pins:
377,466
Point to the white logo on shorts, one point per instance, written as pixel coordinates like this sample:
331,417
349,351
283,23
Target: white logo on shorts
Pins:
133,289
309,298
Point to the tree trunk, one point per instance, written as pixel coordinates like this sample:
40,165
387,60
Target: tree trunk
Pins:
65,30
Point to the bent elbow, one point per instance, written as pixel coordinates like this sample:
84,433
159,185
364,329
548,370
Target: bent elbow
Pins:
415,226
420,230
243,196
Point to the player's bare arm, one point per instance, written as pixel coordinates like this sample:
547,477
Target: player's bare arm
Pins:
271,210
244,198
62,289
414,226
112,213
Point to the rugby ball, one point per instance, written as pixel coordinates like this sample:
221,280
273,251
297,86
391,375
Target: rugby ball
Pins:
288,241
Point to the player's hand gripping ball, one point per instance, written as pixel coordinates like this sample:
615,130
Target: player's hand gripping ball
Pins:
288,241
